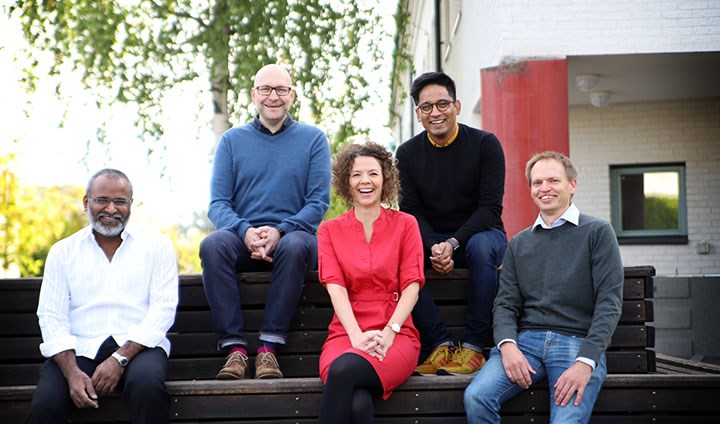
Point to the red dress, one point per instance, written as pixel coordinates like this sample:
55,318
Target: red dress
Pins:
374,275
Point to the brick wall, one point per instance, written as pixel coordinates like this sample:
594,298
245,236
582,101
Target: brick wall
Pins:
681,131
571,27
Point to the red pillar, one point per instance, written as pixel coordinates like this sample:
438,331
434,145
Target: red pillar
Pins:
526,105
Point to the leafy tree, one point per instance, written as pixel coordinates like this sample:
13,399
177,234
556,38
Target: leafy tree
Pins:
32,219
186,239
137,50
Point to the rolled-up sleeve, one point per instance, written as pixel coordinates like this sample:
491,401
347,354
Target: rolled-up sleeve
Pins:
53,308
163,298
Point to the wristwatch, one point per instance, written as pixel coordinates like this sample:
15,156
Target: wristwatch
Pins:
394,326
453,243
122,360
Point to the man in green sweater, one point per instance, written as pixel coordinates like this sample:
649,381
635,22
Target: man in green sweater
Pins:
558,304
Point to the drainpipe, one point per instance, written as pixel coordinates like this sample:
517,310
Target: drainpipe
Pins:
438,40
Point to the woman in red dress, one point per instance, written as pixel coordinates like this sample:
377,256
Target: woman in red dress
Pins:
371,263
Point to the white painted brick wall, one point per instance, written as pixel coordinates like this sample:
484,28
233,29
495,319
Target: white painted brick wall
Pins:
682,131
578,27
495,31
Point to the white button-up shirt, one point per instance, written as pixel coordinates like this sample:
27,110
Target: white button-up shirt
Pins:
84,297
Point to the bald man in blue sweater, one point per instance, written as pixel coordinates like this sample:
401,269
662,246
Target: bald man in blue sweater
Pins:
269,191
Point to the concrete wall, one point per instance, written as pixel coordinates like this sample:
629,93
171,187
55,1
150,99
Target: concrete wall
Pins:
687,131
686,320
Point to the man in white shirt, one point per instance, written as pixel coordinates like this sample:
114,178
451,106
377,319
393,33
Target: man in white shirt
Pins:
107,299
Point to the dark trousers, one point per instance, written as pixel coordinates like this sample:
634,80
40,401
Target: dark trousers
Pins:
223,254
142,386
482,255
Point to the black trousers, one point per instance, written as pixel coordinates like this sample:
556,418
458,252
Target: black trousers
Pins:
142,386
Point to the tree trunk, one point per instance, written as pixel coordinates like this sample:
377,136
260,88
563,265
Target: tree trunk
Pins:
220,71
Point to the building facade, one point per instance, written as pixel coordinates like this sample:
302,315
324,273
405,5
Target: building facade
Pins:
629,89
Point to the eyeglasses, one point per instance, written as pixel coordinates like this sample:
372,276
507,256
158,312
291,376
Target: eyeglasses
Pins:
104,201
265,90
441,105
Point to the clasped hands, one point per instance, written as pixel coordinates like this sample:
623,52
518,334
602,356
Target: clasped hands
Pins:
441,258
375,343
261,242
85,390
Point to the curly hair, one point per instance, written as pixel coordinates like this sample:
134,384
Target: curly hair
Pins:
344,161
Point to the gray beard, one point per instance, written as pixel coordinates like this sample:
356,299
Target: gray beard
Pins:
103,230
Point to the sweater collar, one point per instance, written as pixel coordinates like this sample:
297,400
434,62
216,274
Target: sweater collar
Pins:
260,127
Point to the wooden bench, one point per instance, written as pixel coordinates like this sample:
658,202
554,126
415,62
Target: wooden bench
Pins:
634,390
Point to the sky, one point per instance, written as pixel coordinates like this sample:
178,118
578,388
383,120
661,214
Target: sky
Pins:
54,139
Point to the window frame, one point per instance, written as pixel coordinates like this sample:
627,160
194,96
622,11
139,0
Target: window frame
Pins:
674,236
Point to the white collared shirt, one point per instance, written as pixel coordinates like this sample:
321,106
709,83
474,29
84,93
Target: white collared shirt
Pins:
571,215
84,298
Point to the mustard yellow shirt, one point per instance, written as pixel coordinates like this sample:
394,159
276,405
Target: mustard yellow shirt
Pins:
454,136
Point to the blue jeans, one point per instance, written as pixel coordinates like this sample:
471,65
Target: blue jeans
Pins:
223,254
482,255
549,354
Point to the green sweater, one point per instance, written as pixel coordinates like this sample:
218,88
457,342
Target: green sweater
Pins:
567,279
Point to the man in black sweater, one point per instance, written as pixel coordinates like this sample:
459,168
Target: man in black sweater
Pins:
452,180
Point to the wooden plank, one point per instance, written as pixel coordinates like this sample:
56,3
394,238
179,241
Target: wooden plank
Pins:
634,288
688,364
22,299
635,311
631,336
305,318
249,405
629,361
19,374
19,324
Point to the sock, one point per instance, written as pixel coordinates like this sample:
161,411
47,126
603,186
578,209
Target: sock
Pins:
240,349
267,347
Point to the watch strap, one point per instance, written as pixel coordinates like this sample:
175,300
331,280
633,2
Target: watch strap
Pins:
122,360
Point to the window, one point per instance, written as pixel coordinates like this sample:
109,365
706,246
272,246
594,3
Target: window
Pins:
648,203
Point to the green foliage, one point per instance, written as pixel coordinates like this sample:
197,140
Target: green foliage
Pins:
32,219
661,213
186,240
135,51
402,59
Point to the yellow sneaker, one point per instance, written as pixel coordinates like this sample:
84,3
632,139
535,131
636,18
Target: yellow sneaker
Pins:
463,361
440,356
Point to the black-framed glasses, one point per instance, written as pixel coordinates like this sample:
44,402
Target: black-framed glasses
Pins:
441,105
281,90
104,201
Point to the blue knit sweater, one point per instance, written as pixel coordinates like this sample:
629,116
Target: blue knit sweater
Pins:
567,279
263,179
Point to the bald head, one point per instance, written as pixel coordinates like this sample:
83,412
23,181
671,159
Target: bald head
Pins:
272,107
273,72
